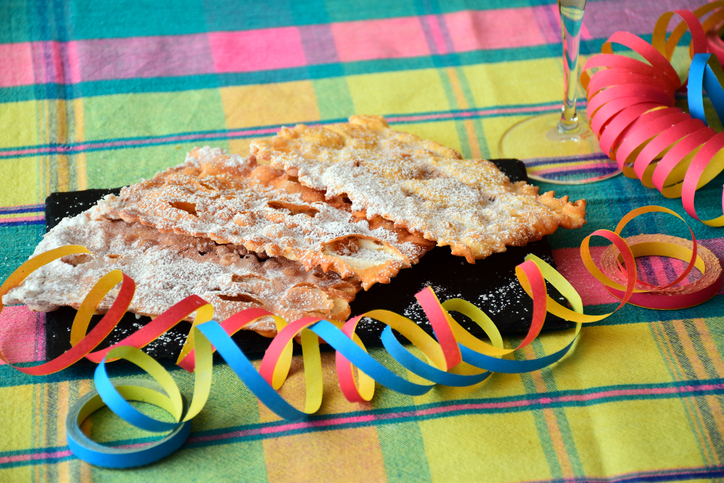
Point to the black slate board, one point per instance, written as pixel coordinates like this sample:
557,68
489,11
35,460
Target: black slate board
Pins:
490,284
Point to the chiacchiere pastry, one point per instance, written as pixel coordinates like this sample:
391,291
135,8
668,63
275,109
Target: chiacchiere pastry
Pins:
232,200
299,227
168,267
420,185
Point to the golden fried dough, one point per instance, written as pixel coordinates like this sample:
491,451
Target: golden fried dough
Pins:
420,185
232,200
168,267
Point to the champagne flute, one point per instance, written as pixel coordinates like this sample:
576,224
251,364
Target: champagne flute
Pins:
560,147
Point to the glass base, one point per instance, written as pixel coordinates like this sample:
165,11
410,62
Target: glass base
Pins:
572,157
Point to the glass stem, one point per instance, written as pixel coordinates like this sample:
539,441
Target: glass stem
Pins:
571,13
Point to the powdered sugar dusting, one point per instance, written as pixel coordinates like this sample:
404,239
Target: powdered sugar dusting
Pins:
231,200
168,267
467,204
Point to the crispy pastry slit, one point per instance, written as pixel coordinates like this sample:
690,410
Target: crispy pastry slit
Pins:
294,209
242,297
189,208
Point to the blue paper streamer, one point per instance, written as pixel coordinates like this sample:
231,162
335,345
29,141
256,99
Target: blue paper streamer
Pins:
120,406
508,366
365,362
431,373
110,457
704,74
246,371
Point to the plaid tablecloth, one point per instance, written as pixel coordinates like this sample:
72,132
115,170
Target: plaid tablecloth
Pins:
101,94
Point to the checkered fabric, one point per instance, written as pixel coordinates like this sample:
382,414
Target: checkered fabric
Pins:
101,94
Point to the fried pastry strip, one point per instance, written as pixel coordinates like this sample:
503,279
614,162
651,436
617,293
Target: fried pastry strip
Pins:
168,267
231,200
420,185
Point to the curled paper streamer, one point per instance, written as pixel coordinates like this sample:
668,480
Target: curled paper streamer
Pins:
108,457
631,107
617,276
83,347
357,371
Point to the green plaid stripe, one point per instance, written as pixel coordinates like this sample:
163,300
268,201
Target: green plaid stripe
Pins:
641,397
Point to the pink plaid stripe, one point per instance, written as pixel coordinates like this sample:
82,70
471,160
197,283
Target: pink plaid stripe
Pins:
254,50
144,57
16,65
288,47
24,334
380,39
495,29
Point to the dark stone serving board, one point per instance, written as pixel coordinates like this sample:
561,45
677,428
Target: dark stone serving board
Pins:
490,284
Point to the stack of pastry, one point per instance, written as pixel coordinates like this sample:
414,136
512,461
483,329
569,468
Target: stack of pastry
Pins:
309,218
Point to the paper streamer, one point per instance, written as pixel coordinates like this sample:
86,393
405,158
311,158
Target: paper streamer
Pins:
108,457
616,276
631,106
358,372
